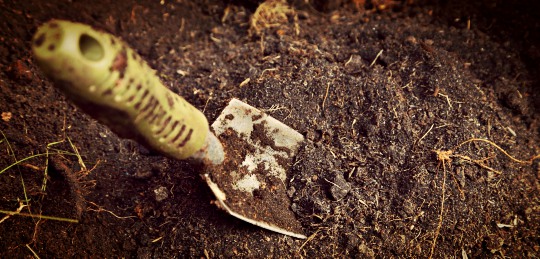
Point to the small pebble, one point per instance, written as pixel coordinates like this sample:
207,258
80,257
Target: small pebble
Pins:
161,193
291,192
340,188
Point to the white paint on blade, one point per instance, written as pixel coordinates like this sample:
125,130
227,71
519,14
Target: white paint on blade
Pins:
283,135
236,116
248,183
241,118
265,156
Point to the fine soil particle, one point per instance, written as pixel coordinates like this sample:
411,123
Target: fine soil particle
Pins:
376,88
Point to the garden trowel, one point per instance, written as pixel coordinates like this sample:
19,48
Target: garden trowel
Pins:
245,154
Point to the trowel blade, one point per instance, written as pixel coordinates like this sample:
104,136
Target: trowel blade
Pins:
251,183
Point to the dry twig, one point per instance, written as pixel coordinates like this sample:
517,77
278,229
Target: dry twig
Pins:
445,157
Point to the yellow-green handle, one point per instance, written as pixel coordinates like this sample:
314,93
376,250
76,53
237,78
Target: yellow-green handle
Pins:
111,82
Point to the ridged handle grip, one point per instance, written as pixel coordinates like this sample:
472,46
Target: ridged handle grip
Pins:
111,82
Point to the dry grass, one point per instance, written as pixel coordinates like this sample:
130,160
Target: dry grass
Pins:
272,14
51,151
445,158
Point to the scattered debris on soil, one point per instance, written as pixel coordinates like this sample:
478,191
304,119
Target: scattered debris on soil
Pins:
379,93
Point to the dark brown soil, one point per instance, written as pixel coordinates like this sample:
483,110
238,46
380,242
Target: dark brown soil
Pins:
375,93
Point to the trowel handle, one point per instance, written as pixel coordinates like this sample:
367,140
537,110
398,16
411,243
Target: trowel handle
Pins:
111,82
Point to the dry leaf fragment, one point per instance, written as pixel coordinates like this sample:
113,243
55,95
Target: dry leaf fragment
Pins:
6,116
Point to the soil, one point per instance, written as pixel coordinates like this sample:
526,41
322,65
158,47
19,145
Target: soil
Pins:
384,95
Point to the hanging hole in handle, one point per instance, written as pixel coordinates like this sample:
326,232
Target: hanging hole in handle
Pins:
90,48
